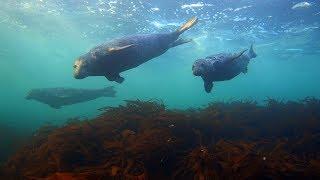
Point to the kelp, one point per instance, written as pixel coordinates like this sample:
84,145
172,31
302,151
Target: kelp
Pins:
145,140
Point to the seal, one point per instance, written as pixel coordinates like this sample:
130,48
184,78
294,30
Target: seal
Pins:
57,97
112,58
222,67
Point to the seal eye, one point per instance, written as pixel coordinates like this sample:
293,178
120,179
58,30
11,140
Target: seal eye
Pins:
75,66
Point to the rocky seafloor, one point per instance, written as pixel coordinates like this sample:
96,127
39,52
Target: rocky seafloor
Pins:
145,140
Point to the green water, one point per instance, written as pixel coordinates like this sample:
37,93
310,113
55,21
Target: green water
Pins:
38,48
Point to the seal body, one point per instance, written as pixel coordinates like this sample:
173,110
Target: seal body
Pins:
222,67
57,97
111,58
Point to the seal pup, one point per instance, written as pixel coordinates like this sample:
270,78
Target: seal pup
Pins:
57,97
222,67
116,56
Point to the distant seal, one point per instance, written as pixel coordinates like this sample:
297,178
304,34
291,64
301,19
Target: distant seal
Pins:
57,97
222,67
122,54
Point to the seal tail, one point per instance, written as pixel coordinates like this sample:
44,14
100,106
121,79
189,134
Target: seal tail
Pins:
251,52
191,22
109,92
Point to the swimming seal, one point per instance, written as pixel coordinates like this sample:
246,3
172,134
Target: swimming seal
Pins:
222,67
112,58
58,97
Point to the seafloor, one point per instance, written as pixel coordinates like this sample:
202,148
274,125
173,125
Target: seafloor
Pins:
144,140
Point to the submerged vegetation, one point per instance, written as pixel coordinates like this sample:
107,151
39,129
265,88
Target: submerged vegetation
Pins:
144,140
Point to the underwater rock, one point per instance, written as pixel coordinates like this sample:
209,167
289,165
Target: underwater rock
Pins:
145,140
122,54
222,67
57,97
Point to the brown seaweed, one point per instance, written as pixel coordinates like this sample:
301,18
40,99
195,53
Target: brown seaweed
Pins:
144,140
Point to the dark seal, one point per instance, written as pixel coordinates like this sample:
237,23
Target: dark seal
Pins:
57,97
222,67
122,54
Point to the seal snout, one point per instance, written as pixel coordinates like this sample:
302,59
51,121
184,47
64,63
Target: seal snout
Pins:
197,68
194,70
78,69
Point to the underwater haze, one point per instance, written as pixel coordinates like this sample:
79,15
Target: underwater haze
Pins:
40,40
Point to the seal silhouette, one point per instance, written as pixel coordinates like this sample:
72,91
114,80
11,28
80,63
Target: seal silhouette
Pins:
58,97
112,58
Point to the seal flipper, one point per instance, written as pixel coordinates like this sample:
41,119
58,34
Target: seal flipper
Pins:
191,22
180,42
245,70
251,52
235,56
117,78
119,48
54,106
208,85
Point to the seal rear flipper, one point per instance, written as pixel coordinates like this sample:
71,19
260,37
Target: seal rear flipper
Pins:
179,42
251,52
191,22
245,70
117,78
208,86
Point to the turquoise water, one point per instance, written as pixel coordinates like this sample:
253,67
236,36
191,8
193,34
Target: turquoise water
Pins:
39,41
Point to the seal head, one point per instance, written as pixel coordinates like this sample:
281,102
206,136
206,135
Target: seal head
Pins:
198,67
81,67
79,70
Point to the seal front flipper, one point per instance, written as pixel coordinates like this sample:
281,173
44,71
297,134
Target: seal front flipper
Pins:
235,56
208,85
118,48
54,106
245,70
179,42
115,77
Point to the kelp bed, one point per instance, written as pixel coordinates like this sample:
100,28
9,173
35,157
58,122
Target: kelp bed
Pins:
144,140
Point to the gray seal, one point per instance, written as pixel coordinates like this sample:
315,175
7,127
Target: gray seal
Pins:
57,97
222,67
112,58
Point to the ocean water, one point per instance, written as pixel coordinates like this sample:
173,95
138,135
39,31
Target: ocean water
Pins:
40,39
